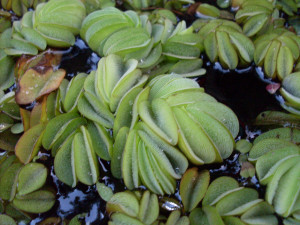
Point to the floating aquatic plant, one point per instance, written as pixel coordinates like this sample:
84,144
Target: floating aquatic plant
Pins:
139,111
19,7
290,91
277,52
258,17
22,185
276,157
225,42
53,23
168,4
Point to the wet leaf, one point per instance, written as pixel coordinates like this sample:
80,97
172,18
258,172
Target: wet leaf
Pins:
149,208
60,128
180,50
31,177
104,191
223,3
101,139
237,202
124,202
262,213
64,164
35,202
218,189
7,220
176,218
243,146
159,117
9,181
5,122
208,10
73,92
93,109
285,62
193,186
287,191
6,67
86,163
117,152
35,84
269,144
120,218
227,54
17,214
29,144
271,59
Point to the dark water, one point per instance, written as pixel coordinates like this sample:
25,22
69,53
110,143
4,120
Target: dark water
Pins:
242,90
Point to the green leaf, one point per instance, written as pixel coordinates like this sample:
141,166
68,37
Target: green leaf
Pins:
9,181
269,144
228,220
64,163
189,96
255,24
124,113
101,139
267,164
285,62
6,66
270,61
175,218
123,219
35,84
149,208
73,92
5,122
104,191
159,117
55,36
287,191
118,148
243,146
20,47
218,189
193,186
60,128
237,202
172,160
86,164
262,213
31,177
17,214
227,54
244,46
270,118
29,144
35,202
92,108
129,161
126,41
7,220
198,150
221,113
124,202
180,50
216,132
208,10
34,38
